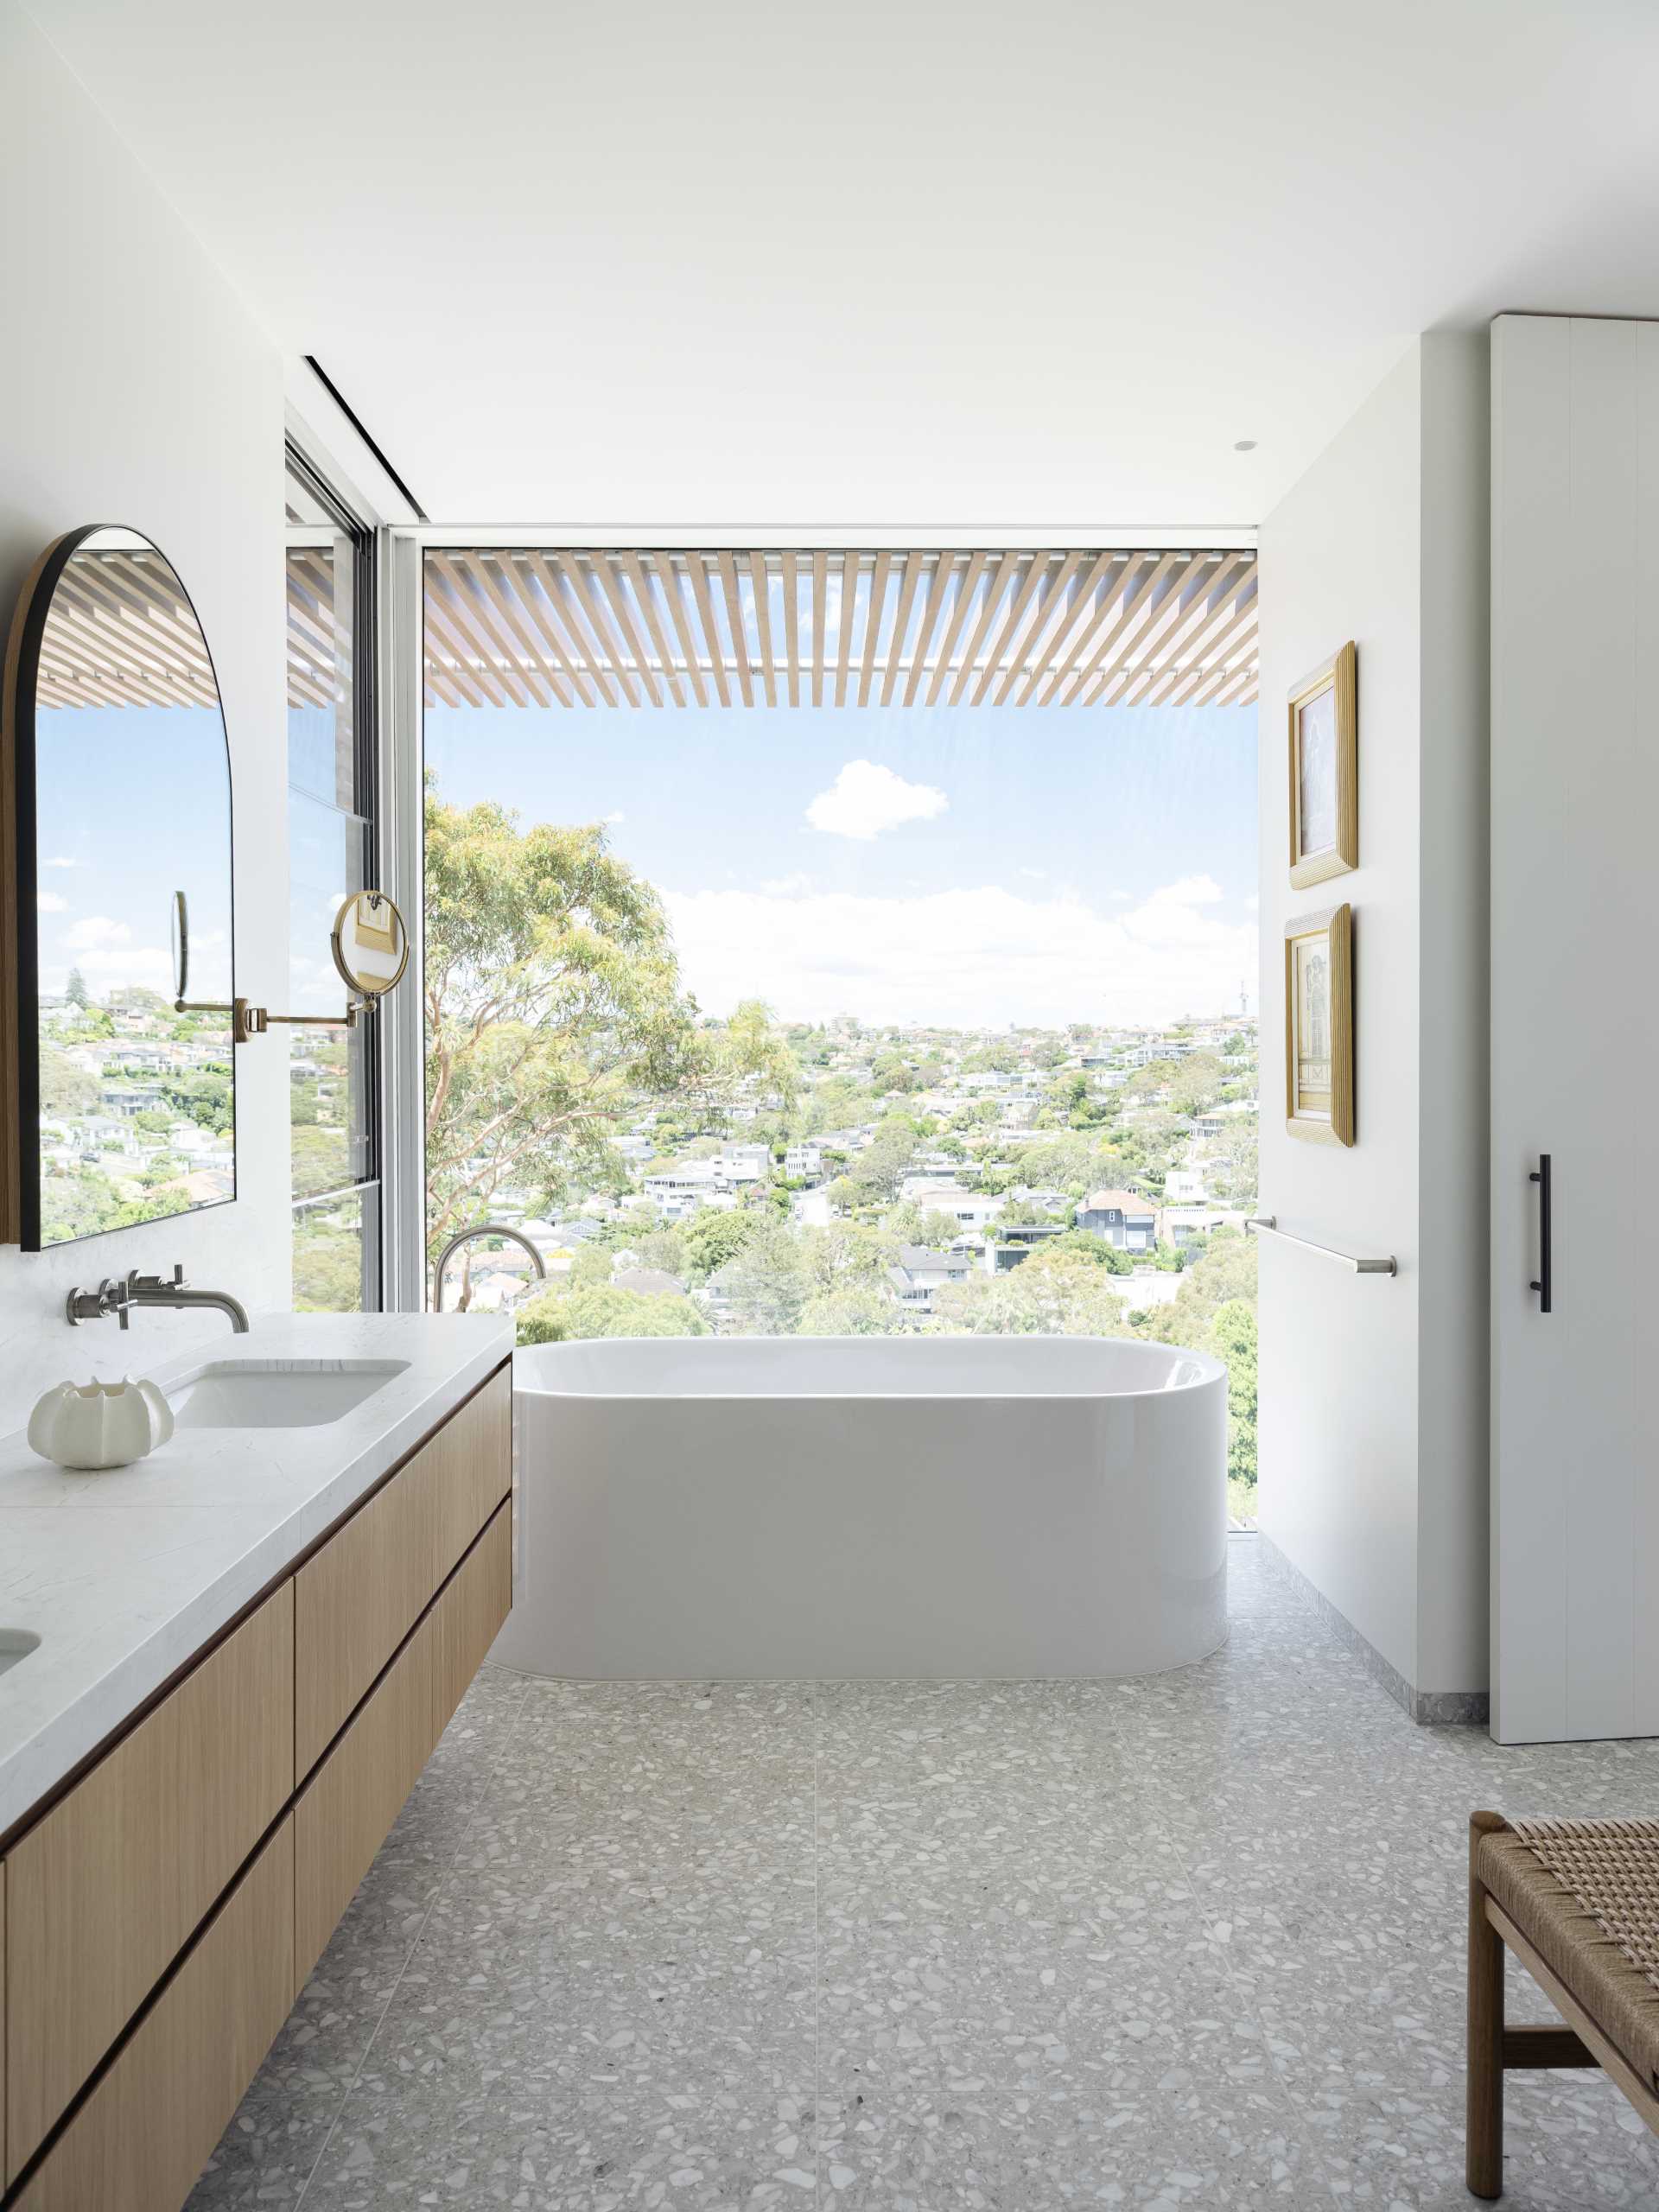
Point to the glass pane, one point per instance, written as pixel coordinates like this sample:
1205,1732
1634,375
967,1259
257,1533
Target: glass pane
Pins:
326,1070
331,1070
824,1020
335,1268
322,727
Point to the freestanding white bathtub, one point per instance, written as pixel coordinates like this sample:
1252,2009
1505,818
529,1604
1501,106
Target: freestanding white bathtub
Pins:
935,1506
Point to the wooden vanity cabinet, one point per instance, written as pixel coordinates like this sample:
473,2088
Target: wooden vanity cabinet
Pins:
355,1597
108,1887
151,2120
158,1920
342,1815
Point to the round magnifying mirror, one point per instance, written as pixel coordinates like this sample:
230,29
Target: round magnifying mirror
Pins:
371,943
179,916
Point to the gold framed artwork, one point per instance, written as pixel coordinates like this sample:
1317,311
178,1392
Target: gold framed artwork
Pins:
1319,1026
1324,770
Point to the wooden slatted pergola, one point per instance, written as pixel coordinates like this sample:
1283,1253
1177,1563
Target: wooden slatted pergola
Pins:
593,626
569,627
120,632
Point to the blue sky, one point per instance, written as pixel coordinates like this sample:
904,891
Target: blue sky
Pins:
132,804
969,865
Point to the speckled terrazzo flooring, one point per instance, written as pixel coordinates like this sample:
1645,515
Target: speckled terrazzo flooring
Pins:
1195,1940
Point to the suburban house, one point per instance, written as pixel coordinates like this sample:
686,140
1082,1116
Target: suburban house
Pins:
974,1210
921,1272
1124,1220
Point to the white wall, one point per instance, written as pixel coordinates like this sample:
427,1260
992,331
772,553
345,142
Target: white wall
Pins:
134,388
1372,1446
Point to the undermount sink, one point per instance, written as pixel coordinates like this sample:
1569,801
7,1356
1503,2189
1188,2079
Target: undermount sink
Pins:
276,1394
17,1643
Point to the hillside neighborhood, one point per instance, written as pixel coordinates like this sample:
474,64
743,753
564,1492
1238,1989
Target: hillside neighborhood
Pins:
952,1159
135,1109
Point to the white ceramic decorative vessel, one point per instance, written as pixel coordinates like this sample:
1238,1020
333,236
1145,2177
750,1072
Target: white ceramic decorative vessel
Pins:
99,1424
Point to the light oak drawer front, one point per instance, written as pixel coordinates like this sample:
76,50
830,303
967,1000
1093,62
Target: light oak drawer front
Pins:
344,1813
356,1598
147,2130
106,1889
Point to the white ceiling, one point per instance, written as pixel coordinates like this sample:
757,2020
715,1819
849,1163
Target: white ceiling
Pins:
912,262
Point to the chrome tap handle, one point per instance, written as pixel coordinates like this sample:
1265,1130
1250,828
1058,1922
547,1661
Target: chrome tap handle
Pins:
110,1297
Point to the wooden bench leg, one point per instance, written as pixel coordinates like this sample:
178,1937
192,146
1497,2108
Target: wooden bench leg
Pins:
1483,2129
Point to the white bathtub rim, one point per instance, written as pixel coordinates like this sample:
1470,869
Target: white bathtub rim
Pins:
1213,1371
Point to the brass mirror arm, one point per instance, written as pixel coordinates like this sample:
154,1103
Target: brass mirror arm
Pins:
346,1021
248,1020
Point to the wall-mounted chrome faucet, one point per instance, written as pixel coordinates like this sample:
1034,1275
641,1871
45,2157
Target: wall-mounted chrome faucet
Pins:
119,1294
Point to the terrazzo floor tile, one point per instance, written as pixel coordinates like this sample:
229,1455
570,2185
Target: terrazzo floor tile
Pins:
269,2151
1186,1942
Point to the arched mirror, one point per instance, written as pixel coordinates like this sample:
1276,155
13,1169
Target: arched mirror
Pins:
119,1107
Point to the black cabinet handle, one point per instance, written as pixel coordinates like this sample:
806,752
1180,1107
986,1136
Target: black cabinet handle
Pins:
1541,1177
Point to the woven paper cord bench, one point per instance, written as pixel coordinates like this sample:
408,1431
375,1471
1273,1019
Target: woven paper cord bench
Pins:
1578,1902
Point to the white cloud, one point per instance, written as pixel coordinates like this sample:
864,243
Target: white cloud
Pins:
103,948
865,798
963,957
617,816
49,903
786,886
127,964
1191,891
60,862
96,930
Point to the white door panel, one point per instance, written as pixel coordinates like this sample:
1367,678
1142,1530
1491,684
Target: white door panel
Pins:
1575,651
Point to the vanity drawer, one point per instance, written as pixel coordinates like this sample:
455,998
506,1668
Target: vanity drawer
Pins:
106,1889
147,2130
356,1598
343,1815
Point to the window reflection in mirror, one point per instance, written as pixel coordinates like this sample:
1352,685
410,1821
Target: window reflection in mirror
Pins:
136,1101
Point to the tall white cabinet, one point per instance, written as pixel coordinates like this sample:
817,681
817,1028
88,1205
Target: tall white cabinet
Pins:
1575,1037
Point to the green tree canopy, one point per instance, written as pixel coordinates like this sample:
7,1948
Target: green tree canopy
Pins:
880,1169
857,1310
1226,1270
743,1057
552,997
66,1090
1232,1339
764,1286
1068,1298
1196,1082
712,1238
602,1310
1081,1244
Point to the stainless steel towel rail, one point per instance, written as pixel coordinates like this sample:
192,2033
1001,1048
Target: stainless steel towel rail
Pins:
1267,1225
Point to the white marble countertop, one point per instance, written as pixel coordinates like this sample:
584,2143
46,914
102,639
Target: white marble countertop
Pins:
124,1574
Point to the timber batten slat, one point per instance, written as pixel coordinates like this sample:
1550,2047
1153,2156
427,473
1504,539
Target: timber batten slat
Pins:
579,626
